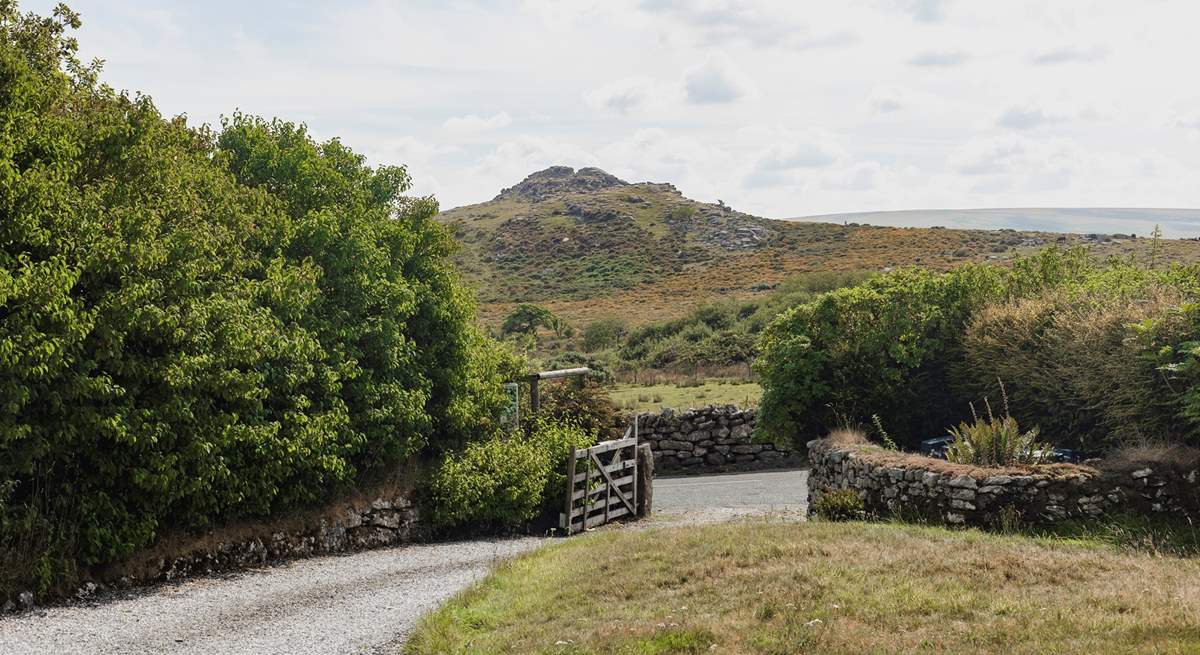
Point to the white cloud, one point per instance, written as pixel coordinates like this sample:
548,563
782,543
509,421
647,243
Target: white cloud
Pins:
1187,121
716,81
925,11
932,104
798,154
623,96
939,59
719,24
792,156
472,123
887,100
1068,56
860,176
1020,164
1025,118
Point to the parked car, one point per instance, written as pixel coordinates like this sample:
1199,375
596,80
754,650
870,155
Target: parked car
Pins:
937,447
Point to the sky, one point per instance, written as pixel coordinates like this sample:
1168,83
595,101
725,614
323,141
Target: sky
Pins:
781,109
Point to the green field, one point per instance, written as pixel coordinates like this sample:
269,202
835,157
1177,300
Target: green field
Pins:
771,588
651,398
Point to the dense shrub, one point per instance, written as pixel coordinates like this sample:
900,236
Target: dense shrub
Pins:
585,402
1086,368
1096,354
599,368
887,347
603,333
200,326
724,334
506,480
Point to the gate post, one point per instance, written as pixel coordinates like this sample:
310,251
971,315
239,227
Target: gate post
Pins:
645,480
570,502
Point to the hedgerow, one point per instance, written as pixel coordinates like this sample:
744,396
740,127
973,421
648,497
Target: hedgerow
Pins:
1094,354
505,481
199,325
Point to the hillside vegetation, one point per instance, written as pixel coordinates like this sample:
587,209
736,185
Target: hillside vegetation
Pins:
590,246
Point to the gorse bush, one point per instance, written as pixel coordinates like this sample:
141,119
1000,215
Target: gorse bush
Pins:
506,480
200,326
1090,369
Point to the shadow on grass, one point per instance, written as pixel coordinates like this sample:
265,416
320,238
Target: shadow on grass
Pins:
1176,537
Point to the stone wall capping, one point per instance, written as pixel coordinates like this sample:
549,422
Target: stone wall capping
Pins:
956,494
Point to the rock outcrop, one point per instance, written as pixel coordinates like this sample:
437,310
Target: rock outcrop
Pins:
558,180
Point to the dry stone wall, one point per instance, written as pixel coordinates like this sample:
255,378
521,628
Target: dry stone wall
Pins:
713,438
349,526
894,483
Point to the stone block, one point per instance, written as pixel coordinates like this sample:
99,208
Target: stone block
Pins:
963,482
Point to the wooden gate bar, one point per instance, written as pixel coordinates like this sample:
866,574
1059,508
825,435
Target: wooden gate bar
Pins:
606,487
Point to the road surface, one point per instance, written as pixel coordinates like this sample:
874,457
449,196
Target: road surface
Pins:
704,498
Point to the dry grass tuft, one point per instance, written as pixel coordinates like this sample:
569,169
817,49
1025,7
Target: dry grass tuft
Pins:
884,457
1158,456
847,437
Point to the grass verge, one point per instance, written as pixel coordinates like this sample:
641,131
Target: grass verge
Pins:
771,588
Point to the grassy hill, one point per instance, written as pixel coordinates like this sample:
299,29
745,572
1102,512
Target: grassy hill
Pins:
589,245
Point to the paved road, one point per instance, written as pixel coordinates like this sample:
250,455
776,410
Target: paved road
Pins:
730,495
361,603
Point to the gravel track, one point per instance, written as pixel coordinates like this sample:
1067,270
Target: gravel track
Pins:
360,603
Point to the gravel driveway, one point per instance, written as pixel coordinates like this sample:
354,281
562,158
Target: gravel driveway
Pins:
361,603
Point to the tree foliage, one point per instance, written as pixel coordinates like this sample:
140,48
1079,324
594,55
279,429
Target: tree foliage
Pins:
603,333
204,325
526,318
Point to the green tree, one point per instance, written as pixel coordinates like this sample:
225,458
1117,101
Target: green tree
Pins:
202,326
603,333
527,318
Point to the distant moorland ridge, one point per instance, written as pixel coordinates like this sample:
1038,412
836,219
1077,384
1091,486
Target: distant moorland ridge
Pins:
587,245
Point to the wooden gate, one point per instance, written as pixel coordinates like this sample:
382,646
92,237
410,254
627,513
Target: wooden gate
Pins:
601,484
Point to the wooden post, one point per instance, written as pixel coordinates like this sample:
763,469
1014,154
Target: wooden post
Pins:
645,480
570,491
608,489
535,401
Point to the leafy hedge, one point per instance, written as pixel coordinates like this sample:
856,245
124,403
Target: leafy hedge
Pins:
199,326
507,480
1094,354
